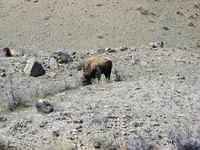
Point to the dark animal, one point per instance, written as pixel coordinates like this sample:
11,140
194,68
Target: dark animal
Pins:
11,53
95,66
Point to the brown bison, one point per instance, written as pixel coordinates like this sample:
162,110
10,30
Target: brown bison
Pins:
11,53
95,66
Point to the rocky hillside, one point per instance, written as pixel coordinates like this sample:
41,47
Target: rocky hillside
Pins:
153,93
152,100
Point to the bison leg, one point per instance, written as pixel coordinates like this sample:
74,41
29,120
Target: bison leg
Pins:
107,76
98,74
108,70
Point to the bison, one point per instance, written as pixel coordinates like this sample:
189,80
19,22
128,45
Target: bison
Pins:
95,66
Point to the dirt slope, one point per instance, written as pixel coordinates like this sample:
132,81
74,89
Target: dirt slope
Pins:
72,25
159,91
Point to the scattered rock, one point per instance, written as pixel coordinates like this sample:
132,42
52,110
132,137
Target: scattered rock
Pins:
144,11
180,13
165,28
2,118
78,121
158,44
34,68
191,24
62,57
97,144
53,63
123,49
44,106
2,73
43,124
99,5
110,50
56,133
100,37
35,1
4,143
197,6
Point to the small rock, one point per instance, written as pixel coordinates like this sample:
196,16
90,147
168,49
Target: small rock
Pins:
123,49
44,106
158,44
53,64
97,144
34,68
3,74
62,57
78,121
35,1
191,24
56,133
180,13
138,124
3,119
110,50
197,6
142,11
43,124
165,28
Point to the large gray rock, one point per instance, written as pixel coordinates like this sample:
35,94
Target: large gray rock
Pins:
44,106
34,68
62,57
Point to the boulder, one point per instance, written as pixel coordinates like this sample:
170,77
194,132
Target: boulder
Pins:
62,57
34,68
